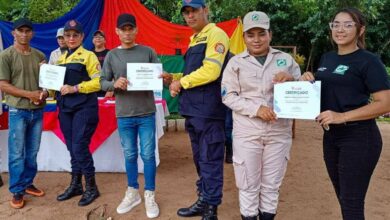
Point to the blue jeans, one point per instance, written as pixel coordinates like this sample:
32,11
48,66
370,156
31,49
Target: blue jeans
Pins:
24,138
144,127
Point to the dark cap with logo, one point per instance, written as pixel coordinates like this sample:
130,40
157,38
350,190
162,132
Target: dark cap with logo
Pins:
73,25
22,22
99,32
126,19
193,4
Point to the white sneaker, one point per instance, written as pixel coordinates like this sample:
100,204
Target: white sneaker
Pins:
152,210
131,200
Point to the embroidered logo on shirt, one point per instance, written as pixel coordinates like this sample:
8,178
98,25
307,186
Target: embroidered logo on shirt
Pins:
220,48
341,69
201,39
281,62
321,69
77,60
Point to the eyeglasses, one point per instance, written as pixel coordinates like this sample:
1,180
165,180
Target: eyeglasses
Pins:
348,25
72,35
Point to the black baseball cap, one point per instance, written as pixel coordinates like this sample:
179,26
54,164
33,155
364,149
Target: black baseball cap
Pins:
126,19
22,22
99,32
73,25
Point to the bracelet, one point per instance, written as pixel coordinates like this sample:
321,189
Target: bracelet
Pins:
76,88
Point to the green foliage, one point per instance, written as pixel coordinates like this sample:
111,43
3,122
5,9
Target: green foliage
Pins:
167,9
38,11
11,10
48,10
301,23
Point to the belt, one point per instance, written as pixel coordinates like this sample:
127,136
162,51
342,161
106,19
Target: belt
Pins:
353,123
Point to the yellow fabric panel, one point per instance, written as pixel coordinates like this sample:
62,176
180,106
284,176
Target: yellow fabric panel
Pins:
237,44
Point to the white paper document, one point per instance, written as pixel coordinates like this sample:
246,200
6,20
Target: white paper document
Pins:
298,100
51,76
144,76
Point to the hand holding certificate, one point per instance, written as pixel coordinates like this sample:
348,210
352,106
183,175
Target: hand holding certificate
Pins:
298,100
144,76
51,77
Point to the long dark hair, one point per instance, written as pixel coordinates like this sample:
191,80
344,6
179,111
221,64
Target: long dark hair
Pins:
360,21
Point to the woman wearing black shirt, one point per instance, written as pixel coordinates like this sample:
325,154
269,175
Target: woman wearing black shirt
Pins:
352,142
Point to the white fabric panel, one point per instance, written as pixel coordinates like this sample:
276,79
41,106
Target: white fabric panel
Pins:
54,156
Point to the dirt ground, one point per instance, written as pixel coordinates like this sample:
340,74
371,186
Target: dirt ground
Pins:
306,193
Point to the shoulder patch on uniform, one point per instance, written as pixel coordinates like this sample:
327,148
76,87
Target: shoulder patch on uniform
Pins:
281,62
220,48
223,91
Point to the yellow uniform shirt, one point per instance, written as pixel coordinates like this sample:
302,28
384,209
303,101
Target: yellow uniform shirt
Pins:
80,59
217,47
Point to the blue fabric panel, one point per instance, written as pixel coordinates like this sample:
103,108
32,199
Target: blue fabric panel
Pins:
86,12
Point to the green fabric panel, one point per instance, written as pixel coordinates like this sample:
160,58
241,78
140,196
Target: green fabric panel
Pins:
172,64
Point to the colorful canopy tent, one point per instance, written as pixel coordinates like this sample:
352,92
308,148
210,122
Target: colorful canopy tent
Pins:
166,38
153,31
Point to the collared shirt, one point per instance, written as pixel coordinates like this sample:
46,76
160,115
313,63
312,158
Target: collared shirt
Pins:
54,55
217,47
247,85
84,59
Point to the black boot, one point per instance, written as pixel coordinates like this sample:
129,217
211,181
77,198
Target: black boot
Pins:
75,188
91,191
229,153
210,213
1,181
195,209
249,217
266,216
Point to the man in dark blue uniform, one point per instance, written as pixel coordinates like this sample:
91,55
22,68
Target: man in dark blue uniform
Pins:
199,87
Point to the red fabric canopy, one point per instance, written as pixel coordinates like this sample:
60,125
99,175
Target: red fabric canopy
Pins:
153,31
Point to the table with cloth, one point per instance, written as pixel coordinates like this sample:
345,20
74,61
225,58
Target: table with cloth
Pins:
105,145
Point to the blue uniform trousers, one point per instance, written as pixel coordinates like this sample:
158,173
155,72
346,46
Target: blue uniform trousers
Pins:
78,126
207,140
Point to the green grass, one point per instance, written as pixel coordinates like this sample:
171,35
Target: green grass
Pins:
386,120
174,116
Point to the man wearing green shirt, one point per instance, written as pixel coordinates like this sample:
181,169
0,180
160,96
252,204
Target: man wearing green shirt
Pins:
19,80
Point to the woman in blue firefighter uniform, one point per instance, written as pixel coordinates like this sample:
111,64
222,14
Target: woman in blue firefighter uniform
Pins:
78,112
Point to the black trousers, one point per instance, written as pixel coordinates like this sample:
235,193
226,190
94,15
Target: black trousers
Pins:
78,127
351,152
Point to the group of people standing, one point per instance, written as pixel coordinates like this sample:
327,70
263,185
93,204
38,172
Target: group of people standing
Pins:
212,80
78,110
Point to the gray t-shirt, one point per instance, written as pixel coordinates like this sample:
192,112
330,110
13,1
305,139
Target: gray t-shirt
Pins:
22,71
128,103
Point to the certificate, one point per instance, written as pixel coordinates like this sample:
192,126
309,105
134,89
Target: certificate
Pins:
51,76
299,100
144,76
